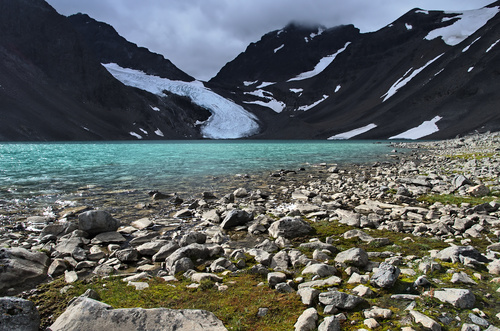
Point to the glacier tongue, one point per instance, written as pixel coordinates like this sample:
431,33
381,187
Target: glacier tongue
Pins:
228,120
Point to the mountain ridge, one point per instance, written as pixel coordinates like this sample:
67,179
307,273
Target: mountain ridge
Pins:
428,74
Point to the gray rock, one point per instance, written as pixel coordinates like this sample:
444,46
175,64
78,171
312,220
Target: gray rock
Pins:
193,238
330,281
308,295
274,278
462,277
88,314
58,230
348,217
261,256
57,268
355,256
459,298
280,261
340,299
289,227
21,268
478,320
330,323
470,327
127,255
222,264
459,181
18,315
165,251
97,221
453,254
151,248
236,217
108,238
385,276
193,252
142,223
268,245
319,245
307,321
426,321
181,265
320,269
199,277
494,267
284,288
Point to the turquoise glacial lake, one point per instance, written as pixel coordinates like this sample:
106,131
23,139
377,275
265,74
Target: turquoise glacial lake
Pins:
52,171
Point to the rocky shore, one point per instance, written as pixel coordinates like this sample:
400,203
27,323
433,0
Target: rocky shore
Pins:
411,243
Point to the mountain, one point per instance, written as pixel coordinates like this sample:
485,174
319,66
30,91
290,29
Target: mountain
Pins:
430,74
53,87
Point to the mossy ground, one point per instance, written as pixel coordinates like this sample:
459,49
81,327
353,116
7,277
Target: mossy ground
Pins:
237,307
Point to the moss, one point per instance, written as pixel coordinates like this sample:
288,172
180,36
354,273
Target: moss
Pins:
237,307
450,199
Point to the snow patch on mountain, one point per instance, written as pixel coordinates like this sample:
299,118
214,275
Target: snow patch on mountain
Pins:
277,49
405,79
273,104
353,133
468,22
424,129
159,133
408,26
154,108
138,136
228,120
322,64
307,107
264,84
296,90
426,12
468,46
338,88
492,45
247,83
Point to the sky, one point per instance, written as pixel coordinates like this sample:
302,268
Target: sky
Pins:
201,36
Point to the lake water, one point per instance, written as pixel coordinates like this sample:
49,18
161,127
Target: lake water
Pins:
50,171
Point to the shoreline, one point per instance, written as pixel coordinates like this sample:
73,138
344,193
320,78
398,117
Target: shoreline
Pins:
400,197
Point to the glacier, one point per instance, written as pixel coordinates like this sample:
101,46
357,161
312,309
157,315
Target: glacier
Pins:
228,120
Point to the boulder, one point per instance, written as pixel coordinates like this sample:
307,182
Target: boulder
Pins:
127,255
385,276
165,251
112,237
193,252
307,321
308,295
18,315
236,217
89,314
193,238
330,323
319,269
340,300
274,278
355,256
21,268
289,227
455,254
425,320
459,298
97,221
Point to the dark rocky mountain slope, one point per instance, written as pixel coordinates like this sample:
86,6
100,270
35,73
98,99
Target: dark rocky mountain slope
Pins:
429,74
52,86
451,84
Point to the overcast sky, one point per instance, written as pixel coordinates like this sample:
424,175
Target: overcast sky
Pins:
201,36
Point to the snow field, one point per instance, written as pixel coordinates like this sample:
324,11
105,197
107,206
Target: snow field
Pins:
228,120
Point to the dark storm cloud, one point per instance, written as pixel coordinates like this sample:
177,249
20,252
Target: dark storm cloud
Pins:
200,36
